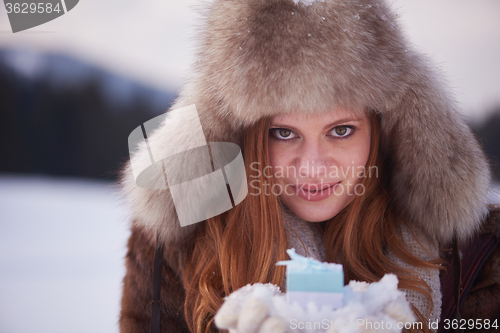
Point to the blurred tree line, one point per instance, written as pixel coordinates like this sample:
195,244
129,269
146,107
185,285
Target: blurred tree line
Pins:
76,130
72,130
488,134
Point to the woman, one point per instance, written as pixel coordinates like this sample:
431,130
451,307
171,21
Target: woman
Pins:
322,85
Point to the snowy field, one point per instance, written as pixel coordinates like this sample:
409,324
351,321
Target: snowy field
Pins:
62,248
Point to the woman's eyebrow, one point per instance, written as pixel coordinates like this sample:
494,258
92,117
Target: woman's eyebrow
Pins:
343,121
336,122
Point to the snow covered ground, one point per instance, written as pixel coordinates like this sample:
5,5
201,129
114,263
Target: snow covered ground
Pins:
62,248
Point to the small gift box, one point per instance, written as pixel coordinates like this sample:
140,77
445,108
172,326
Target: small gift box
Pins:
309,280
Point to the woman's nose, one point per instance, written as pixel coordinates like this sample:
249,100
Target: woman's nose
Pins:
313,160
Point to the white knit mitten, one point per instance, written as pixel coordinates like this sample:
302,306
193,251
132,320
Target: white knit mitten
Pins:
247,310
368,307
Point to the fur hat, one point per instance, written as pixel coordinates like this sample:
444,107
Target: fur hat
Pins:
263,57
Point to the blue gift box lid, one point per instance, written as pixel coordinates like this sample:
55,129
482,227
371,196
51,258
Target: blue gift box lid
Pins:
307,274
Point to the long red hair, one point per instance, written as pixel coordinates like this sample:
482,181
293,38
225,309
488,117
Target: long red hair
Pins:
242,245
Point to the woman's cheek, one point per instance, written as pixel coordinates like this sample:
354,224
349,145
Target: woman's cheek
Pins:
279,160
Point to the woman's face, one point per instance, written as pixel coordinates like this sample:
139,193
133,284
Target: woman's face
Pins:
318,161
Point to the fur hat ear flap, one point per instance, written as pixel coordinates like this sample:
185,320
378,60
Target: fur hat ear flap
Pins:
438,174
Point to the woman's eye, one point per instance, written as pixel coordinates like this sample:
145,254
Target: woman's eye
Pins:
341,131
282,133
285,133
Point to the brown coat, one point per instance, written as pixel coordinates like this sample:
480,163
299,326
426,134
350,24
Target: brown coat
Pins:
260,58
482,299
135,316
481,302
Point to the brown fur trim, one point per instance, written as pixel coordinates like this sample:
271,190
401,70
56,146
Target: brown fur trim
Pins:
135,316
492,224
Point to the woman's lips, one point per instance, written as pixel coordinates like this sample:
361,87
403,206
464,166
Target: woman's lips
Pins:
315,192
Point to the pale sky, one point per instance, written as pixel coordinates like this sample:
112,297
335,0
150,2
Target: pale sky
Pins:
152,41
